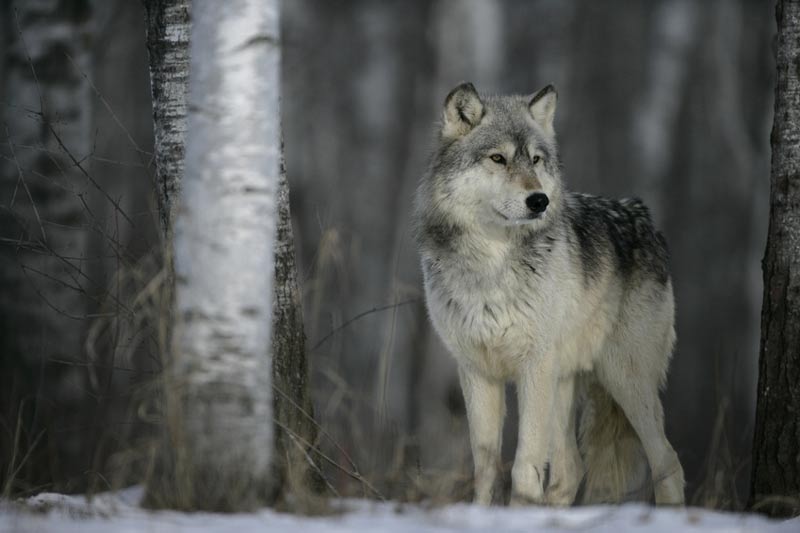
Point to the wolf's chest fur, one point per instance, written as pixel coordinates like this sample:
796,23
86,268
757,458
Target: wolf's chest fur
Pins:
489,302
494,304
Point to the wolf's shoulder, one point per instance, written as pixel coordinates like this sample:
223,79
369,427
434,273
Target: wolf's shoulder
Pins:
624,212
623,229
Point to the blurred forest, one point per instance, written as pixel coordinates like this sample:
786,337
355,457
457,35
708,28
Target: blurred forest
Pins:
668,100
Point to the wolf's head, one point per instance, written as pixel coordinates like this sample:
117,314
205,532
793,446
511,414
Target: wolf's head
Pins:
496,163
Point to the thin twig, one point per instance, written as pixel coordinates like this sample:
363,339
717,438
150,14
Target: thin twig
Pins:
88,176
21,178
91,156
318,426
113,367
359,316
30,62
311,462
355,475
109,109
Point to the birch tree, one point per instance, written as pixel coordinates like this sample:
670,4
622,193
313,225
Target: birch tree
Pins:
776,447
219,390
168,28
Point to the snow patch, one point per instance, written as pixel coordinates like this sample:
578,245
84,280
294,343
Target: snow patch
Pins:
119,513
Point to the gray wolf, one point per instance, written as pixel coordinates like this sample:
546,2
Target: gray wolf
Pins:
567,295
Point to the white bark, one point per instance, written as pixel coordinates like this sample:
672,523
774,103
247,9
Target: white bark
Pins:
224,238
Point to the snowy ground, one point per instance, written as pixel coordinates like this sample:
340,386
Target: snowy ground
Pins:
118,513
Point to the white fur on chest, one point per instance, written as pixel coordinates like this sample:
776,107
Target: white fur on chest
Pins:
493,316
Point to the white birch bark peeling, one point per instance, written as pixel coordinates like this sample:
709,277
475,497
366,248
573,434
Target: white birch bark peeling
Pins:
224,238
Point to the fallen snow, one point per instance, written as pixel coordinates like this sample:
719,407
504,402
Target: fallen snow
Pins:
119,513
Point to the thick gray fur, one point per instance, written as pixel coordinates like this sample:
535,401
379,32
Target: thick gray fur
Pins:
574,304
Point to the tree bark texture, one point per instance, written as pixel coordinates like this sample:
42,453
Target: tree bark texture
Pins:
168,40
220,381
168,26
776,446
296,430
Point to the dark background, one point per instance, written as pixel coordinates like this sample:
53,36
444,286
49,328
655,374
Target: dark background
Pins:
668,100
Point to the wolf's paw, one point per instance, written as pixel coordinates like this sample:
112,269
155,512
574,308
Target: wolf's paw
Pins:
564,480
669,484
485,494
522,500
561,494
527,483
669,492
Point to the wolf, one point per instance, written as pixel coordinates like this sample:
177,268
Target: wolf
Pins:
567,295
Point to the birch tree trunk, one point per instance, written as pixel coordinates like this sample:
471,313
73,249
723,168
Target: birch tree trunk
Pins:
168,47
46,121
220,387
168,27
776,447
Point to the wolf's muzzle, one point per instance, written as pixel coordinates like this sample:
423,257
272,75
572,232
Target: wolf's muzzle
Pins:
537,202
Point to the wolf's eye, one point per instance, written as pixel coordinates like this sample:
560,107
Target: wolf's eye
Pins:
536,159
497,158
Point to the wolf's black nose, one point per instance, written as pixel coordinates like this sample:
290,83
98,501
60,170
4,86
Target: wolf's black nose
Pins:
537,202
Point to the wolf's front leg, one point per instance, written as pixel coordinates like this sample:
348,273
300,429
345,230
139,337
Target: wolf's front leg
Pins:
536,392
566,465
486,406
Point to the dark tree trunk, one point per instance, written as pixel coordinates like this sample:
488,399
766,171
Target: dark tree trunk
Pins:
294,412
776,447
167,28
168,46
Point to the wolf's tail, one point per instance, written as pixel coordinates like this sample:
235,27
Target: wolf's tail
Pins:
616,465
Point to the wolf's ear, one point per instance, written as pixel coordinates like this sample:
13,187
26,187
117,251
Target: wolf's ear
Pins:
463,110
543,108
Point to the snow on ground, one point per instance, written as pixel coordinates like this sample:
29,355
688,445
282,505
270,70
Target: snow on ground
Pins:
119,513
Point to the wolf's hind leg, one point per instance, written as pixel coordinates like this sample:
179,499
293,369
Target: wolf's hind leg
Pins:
486,404
638,398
